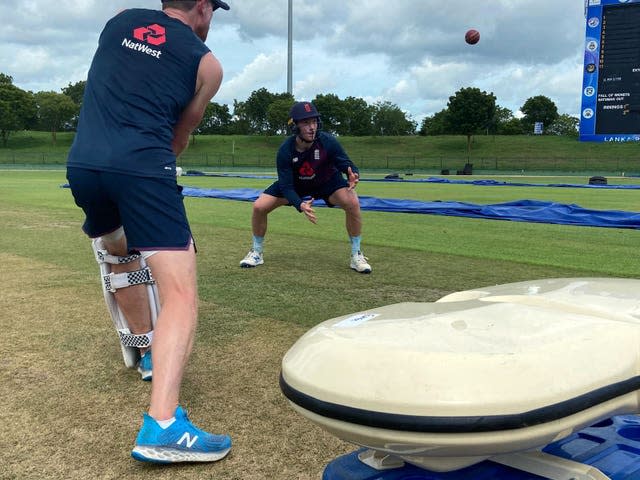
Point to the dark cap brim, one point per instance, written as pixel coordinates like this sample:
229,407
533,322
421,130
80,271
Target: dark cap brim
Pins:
219,4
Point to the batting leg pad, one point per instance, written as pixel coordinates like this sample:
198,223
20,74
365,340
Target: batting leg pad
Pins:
111,282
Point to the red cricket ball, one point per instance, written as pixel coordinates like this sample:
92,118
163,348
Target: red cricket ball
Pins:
472,37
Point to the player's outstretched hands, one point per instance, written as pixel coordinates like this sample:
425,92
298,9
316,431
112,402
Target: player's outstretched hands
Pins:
352,178
308,210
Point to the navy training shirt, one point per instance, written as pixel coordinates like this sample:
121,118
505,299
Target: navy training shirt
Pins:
142,77
300,173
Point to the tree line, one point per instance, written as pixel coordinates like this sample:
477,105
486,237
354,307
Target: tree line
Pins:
469,111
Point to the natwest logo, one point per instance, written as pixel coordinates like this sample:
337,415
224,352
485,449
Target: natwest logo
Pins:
153,34
306,172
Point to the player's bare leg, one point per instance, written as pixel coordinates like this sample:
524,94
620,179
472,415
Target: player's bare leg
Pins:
175,274
349,202
262,207
167,435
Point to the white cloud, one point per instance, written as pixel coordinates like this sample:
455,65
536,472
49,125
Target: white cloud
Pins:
266,69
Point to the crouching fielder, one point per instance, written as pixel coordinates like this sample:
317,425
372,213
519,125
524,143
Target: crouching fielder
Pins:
129,271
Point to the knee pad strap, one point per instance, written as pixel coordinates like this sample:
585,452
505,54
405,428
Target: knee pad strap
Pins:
114,281
106,257
140,340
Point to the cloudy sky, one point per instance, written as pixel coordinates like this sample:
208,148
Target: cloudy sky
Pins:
409,52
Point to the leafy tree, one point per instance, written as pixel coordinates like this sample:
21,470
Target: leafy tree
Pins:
5,115
239,121
437,124
505,123
511,127
389,119
215,121
55,111
538,109
17,108
6,79
470,111
331,110
253,112
278,116
564,125
355,117
75,91
501,115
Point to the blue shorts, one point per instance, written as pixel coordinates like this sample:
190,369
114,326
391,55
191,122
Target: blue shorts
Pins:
151,210
323,191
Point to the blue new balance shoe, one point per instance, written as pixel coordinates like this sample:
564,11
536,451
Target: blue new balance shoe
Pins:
181,442
145,367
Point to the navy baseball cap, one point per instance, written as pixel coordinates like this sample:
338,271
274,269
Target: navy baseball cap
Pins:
219,4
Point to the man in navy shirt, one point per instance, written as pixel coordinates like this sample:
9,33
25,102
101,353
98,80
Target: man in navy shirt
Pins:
310,164
150,81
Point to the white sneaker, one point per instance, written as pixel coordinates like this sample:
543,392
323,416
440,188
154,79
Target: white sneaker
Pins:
252,259
359,263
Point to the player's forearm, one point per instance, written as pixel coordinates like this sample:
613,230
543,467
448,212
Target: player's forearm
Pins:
285,179
293,198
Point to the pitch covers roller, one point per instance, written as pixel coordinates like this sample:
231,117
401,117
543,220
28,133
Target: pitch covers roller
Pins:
495,374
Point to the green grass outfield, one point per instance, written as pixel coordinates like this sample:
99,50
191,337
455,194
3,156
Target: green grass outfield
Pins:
490,153
71,409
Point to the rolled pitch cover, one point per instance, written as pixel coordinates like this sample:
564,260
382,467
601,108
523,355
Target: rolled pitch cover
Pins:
478,373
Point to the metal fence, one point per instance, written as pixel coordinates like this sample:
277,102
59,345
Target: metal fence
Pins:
32,158
531,164
443,165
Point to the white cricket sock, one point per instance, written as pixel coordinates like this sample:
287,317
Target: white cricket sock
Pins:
164,424
257,243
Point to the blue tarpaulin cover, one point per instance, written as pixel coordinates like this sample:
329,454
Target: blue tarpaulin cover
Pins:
517,211
482,182
494,183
